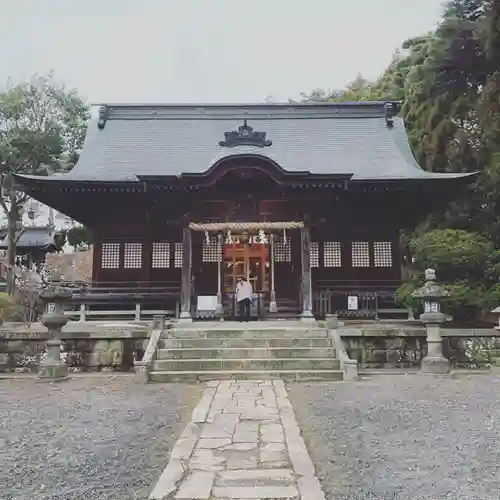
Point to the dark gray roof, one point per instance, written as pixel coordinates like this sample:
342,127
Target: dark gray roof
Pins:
33,237
321,138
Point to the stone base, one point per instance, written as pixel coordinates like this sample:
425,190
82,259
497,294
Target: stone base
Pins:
435,365
273,308
185,317
307,316
495,367
56,371
141,374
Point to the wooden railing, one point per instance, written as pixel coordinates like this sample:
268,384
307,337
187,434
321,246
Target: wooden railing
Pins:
124,300
373,299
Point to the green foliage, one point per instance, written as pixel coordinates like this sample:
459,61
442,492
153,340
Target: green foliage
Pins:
449,81
466,263
42,126
60,239
451,252
6,304
79,235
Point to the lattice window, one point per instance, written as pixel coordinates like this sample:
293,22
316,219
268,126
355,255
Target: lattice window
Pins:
360,254
211,252
178,251
332,254
382,254
282,251
160,258
110,256
132,255
314,255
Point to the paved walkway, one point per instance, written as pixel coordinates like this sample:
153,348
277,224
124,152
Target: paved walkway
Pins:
242,442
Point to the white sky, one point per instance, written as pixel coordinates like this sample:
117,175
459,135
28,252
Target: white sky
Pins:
205,50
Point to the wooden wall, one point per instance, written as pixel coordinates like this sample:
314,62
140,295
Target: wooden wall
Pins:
360,247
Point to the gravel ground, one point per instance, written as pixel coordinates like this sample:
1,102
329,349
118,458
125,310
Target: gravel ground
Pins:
88,438
404,437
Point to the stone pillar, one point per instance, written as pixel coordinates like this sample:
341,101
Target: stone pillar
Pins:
187,249
273,308
219,311
432,317
495,366
52,368
305,237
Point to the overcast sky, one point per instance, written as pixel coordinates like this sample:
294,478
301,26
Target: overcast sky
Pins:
205,50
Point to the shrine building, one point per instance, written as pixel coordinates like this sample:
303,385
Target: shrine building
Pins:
305,200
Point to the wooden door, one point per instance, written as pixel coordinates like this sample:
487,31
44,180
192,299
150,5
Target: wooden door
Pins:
287,269
248,261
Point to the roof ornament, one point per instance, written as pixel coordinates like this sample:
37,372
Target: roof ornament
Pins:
390,110
245,136
102,118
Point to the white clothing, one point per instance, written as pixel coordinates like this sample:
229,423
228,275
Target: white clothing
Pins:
243,291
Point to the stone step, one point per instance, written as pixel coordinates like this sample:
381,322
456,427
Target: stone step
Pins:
205,375
246,364
246,352
245,343
264,333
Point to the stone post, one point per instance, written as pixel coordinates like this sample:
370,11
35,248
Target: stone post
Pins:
219,310
495,366
273,308
186,285
52,368
306,314
432,294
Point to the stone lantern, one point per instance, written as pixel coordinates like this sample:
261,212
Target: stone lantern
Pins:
432,295
54,319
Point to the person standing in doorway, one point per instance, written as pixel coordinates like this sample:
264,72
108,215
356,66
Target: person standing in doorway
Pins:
244,293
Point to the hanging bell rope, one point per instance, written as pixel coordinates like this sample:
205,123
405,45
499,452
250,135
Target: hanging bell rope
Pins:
244,226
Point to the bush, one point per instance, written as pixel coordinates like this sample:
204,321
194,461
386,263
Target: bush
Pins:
466,264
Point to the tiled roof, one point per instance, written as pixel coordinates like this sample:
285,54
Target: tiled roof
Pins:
32,237
333,138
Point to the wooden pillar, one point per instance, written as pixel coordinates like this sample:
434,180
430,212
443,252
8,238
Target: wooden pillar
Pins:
273,308
187,249
219,311
305,238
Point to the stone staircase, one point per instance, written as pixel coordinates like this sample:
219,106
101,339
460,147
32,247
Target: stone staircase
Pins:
262,350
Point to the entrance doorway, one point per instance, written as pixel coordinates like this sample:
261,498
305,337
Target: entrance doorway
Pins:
245,260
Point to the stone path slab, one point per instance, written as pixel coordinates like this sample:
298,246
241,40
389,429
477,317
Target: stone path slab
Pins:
243,442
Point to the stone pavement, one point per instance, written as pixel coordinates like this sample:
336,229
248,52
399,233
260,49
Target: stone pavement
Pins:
243,442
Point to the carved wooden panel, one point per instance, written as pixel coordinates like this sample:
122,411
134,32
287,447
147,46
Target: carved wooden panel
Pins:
382,254
160,258
332,254
282,250
178,251
211,251
314,254
360,254
110,256
132,255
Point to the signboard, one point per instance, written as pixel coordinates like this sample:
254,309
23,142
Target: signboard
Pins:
352,303
207,303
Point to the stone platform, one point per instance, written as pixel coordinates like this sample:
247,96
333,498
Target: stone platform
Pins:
289,350
242,442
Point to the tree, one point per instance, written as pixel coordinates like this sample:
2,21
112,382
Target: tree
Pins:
465,262
42,127
79,235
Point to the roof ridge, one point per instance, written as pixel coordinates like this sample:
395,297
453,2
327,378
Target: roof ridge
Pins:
362,109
